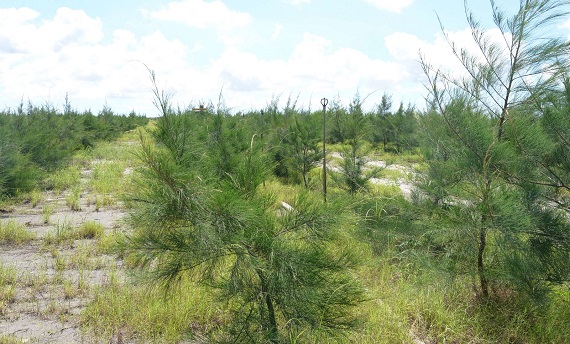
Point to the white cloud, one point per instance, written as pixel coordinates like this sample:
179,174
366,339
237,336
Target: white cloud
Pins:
16,29
201,14
71,26
65,54
313,66
68,54
391,5
406,49
20,34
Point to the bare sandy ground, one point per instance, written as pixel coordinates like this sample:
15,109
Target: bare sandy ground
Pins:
49,299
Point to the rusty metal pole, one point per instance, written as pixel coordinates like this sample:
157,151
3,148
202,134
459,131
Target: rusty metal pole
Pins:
324,103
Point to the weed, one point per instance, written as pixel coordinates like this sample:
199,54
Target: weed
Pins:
102,201
64,179
35,197
106,177
386,190
59,261
7,287
117,151
51,309
7,275
15,233
90,230
132,309
72,199
83,283
63,232
70,290
57,278
47,211
10,339
80,259
107,243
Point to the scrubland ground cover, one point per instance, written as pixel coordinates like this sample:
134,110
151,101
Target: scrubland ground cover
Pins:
449,225
59,282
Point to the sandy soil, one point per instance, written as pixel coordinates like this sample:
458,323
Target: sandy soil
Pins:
43,310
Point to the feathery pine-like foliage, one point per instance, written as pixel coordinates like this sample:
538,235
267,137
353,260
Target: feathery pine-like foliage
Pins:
353,176
492,160
301,146
39,139
279,269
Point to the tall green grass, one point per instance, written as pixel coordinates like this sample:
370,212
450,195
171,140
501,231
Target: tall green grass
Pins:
136,313
64,178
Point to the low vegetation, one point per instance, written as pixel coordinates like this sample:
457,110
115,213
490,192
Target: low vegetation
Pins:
14,233
449,225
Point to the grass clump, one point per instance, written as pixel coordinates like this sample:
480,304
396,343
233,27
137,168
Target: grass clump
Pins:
90,230
14,233
11,339
34,197
107,176
72,200
107,181
64,179
63,231
102,201
139,314
118,150
107,243
47,211
8,277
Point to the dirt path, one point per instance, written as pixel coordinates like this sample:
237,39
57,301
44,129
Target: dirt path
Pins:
47,281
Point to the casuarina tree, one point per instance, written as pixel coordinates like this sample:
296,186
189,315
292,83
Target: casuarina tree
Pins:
492,157
282,270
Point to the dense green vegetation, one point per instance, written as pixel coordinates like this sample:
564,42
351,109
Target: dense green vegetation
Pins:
36,140
229,221
491,203
498,151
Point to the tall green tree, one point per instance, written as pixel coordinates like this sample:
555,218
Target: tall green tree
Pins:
380,126
476,159
338,122
302,146
282,270
280,267
353,175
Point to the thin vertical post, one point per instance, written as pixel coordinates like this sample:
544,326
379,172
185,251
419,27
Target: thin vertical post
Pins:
262,124
324,103
262,141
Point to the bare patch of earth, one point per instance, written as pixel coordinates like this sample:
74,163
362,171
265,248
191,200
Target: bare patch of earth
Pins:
54,281
404,183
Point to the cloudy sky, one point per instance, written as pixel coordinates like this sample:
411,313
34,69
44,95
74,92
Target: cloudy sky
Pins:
249,51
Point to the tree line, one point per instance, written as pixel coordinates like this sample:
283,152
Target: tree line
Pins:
34,140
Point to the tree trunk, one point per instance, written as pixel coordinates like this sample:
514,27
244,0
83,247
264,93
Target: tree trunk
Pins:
272,321
484,284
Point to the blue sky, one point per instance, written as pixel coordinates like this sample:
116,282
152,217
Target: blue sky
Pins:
250,51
